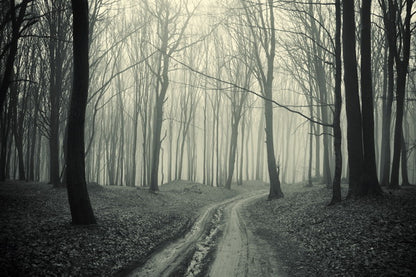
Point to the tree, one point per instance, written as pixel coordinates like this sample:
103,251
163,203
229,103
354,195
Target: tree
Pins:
79,202
361,180
370,185
336,183
170,33
14,23
352,101
263,39
238,100
401,56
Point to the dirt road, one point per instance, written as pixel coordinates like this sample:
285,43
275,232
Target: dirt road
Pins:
240,252
219,244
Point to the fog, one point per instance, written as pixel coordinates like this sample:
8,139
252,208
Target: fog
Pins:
195,69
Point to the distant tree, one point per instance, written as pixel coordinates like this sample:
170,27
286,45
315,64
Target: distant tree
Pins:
78,197
261,23
13,22
170,33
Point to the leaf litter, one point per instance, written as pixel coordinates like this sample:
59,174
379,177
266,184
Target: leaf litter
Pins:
360,237
38,239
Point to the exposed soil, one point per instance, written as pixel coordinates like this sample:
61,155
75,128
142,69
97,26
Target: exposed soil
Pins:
239,252
192,254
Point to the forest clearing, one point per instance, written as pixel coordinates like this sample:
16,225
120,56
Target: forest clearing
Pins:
208,137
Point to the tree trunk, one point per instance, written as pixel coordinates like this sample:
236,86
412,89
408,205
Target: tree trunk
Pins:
78,197
370,180
405,176
275,190
402,63
336,184
260,151
233,151
398,131
156,143
386,122
352,101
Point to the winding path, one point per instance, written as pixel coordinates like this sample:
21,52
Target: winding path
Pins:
218,244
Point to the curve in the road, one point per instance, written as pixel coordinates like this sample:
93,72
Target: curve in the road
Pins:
236,254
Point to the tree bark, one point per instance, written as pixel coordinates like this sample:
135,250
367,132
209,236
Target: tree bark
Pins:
233,149
352,101
386,122
370,180
79,202
336,183
405,175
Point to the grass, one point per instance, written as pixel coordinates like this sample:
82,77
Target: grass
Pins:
362,237
38,239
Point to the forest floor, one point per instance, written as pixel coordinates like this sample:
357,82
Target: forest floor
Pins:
37,238
362,237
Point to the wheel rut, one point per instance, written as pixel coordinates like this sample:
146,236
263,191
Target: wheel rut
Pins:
218,244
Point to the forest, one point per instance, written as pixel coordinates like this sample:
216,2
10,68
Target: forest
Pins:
125,125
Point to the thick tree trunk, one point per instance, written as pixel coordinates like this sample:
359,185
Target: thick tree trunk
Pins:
370,180
78,197
352,101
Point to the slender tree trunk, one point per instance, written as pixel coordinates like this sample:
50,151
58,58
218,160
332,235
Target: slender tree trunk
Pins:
233,150
260,149
317,130
398,131
388,91
405,175
243,134
204,164
402,64
336,184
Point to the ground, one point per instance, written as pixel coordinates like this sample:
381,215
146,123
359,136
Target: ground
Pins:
362,237
38,239
194,230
